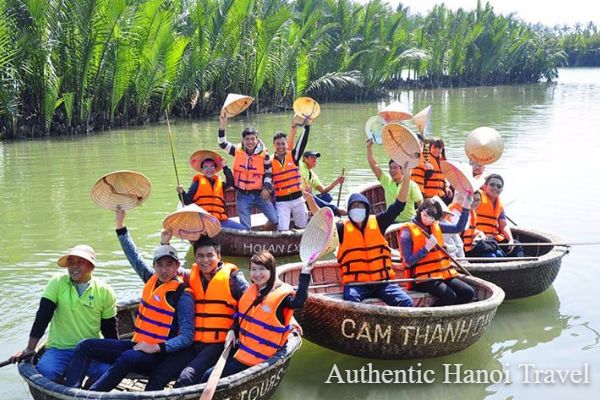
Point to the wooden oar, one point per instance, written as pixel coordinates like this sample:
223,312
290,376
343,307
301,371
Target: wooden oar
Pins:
443,250
414,280
540,244
25,357
215,375
492,260
180,195
340,190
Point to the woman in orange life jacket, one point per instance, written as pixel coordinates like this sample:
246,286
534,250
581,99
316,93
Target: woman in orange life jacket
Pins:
363,254
207,190
265,314
163,327
428,174
252,174
491,218
424,260
287,181
216,286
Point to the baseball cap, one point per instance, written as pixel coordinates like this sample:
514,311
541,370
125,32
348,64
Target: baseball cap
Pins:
311,153
165,250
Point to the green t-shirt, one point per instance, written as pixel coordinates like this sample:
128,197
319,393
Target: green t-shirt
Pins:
76,318
309,178
392,189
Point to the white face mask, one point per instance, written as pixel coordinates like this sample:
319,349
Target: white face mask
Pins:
357,215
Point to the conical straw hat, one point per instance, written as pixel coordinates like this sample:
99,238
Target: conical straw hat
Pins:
307,106
191,222
121,189
395,111
401,144
200,155
421,119
319,237
460,176
373,128
298,120
484,145
236,103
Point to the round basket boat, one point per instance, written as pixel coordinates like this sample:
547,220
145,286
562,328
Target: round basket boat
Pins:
372,329
258,382
244,243
517,278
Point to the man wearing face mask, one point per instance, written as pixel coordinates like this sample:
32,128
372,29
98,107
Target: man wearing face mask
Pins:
363,254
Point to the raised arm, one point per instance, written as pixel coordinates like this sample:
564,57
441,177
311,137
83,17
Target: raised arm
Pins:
372,162
221,138
129,248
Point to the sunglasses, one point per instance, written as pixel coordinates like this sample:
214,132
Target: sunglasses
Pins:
431,214
495,185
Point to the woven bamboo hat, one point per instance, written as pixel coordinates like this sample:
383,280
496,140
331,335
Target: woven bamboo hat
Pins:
307,106
82,251
373,128
121,189
421,119
236,103
320,236
401,144
394,111
200,155
191,222
484,145
460,176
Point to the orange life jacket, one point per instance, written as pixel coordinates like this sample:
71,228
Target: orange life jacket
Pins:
364,256
468,234
488,216
261,334
435,264
154,318
214,307
248,170
286,177
210,196
435,185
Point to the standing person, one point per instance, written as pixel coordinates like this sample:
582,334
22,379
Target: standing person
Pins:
421,242
392,183
207,188
286,178
264,316
363,254
491,218
77,306
428,174
252,175
217,287
163,327
312,183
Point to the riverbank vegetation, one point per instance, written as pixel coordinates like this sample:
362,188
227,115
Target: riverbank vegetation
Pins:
76,66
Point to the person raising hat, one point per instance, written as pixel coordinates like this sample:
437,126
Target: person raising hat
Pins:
77,306
252,174
163,329
312,183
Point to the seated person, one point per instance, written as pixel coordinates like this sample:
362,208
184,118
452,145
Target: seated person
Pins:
392,183
77,306
428,174
163,327
286,178
363,254
421,246
312,183
265,312
491,219
207,190
252,175
217,287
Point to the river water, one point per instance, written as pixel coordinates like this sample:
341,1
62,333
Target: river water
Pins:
551,141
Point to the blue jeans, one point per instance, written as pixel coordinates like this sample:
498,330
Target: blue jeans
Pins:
324,200
229,223
245,202
390,293
118,352
54,362
207,355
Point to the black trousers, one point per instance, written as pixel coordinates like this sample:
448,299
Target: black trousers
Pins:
448,292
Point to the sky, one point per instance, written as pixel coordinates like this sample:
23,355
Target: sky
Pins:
547,12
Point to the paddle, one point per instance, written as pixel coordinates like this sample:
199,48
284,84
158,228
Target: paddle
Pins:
340,190
443,250
415,280
551,244
497,259
180,195
215,375
25,357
